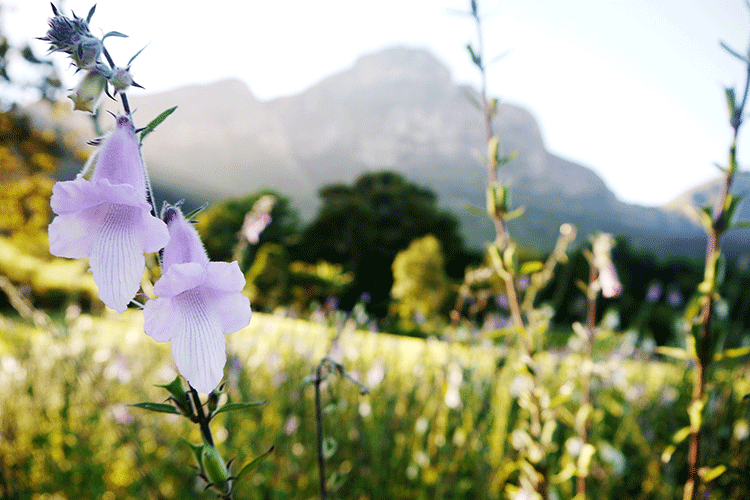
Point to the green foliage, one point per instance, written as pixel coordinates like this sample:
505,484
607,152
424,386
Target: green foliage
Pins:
317,282
420,285
220,223
268,277
364,226
432,426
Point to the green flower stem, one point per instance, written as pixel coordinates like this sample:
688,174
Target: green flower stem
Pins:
704,355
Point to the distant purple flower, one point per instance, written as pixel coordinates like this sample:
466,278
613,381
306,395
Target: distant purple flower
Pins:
199,302
523,283
674,298
502,301
602,250
108,218
257,219
653,293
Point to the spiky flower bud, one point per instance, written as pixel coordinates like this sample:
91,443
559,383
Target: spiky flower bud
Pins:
72,36
121,79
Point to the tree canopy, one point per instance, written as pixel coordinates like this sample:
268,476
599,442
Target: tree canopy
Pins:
364,225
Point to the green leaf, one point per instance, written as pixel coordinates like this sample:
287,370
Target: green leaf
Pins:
194,213
248,467
238,406
158,407
732,353
695,412
473,209
197,451
91,13
666,455
514,214
473,100
136,55
584,459
673,352
708,475
681,435
734,53
115,33
156,122
531,267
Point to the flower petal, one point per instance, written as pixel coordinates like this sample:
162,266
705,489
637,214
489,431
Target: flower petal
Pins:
225,276
199,350
179,278
70,235
232,310
159,319
80,194
117,258
153,234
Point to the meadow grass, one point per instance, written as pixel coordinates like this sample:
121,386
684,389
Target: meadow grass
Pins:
439,422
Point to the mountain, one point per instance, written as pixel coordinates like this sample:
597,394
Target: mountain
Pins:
397,109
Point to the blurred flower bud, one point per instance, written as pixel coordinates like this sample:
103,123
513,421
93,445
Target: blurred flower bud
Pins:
121,79
88,94
73,37
87,52
214,467
65,33
602,260
213,401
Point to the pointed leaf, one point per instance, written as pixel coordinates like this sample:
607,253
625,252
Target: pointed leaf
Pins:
197,451
90,14
473,209
252,464
514,214
158,407
500,56
732,353
473,100
531,267
238,406
733,52
133,58
156,122
115,33
681,435
194,213
708,475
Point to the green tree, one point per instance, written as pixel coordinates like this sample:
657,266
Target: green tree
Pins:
220,224
420,284
268,277
364,226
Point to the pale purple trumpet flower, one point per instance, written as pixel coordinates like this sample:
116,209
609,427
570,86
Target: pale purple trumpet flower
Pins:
109,218
198,303
608,280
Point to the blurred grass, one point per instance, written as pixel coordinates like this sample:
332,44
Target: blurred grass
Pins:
436,424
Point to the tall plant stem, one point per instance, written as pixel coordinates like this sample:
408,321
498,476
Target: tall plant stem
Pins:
719,225
583,431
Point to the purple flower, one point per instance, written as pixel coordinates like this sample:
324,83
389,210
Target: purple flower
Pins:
199,302
108,218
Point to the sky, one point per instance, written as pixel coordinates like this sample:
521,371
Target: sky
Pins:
633,89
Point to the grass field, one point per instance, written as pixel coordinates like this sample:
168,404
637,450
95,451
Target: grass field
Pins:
441,420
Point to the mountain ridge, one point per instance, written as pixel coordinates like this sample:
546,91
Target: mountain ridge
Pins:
397,109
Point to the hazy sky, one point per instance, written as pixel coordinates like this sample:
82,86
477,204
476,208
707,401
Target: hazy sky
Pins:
631,88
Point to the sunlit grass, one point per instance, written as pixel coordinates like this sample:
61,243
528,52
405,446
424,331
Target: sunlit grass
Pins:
437,424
